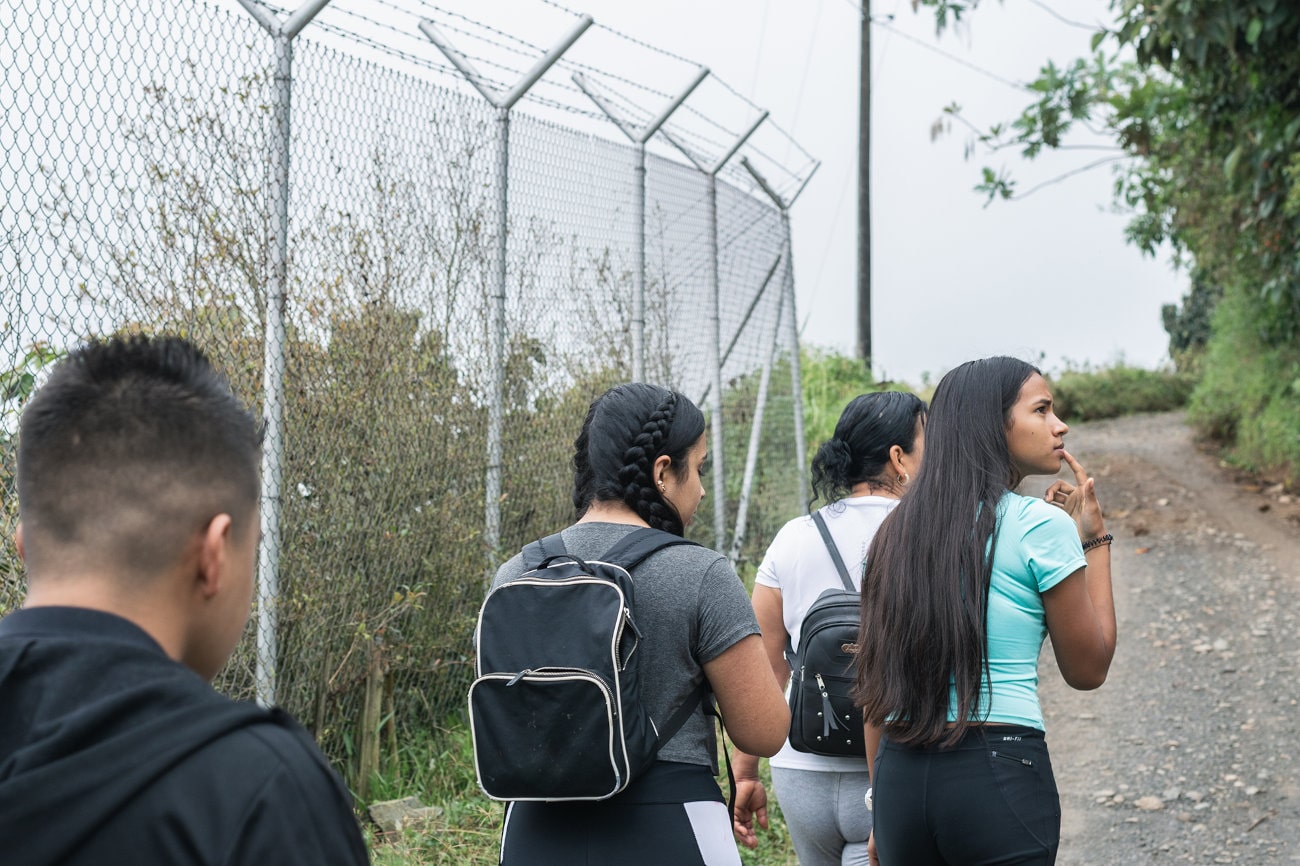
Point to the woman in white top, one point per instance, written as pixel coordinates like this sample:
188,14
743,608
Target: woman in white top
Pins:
859,473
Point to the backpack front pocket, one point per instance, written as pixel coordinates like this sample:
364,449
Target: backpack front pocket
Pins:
553,735
824,720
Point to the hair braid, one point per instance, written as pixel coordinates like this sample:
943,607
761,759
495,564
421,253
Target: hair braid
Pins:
628,429
637,474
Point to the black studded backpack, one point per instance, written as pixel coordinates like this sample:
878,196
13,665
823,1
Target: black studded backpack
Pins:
823,718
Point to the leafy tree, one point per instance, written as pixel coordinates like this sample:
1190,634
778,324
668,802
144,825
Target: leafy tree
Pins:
1188,324
1203,97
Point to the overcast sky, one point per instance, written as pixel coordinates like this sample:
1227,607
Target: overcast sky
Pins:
1048,278
1047,275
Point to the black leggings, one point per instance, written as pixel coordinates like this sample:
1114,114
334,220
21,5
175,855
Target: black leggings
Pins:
673,813
989,801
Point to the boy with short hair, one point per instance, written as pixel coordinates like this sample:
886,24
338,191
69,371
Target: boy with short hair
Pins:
138,525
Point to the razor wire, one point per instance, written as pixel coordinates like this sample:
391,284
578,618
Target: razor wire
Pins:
137,163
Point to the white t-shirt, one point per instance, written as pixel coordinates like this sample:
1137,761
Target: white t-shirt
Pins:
798,565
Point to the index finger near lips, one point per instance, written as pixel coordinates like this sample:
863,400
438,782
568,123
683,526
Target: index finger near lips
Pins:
1076,467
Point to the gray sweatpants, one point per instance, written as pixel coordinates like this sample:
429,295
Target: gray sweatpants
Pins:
826,815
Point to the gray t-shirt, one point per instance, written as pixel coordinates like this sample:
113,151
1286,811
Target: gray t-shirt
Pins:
690,607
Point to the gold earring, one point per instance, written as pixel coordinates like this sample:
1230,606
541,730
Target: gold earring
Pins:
905,479
662,488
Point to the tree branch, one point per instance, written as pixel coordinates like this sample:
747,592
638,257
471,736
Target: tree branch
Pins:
1080,170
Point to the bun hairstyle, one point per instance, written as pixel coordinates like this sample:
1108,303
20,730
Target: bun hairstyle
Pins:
859,450
626,429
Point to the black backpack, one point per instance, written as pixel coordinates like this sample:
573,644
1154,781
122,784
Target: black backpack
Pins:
555,711
823,717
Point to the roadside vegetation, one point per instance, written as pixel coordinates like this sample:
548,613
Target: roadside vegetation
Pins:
1199,100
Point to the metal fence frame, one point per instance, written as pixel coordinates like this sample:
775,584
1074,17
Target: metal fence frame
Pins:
779,339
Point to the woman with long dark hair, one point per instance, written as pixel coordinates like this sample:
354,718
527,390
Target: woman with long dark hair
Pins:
964,581
638,461
860,474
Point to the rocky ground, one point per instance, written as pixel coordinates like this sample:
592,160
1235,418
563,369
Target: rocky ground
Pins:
1190,753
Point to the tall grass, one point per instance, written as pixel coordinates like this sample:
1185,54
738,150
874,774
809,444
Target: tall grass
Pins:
439,771
1090,393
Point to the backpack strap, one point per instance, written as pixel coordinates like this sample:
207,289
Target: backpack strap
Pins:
543,549
683,712
702,695
711,709
632,549
835,554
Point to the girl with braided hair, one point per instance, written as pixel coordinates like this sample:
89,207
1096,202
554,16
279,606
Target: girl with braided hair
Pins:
638,461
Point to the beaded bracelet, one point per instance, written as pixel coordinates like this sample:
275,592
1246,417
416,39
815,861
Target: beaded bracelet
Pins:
1097,542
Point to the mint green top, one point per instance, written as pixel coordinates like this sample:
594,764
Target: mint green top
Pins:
1037,547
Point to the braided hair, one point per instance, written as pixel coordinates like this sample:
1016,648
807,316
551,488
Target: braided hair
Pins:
626,430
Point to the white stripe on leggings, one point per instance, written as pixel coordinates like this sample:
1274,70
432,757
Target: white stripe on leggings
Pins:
711,824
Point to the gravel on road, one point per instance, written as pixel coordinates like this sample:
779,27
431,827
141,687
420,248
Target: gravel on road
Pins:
1190,751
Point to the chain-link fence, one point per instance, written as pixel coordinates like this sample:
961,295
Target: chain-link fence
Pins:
339,261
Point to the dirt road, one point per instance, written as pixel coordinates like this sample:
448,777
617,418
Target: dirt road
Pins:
1190,753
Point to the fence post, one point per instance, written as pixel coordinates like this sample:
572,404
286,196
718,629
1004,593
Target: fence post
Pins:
756,435
639,135
503,102
710,172
796,374
273,340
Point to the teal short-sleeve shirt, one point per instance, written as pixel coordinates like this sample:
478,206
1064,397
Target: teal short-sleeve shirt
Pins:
1037,547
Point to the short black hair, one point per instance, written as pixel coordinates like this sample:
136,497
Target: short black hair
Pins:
132,445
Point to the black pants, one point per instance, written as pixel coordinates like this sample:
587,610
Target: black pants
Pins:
989,801
672,814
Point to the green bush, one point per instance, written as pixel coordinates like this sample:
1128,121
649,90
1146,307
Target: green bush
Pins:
1088,394
1189,324
830,381
1248,399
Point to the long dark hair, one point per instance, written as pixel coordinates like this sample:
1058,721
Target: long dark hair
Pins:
627,428
858,451
925,590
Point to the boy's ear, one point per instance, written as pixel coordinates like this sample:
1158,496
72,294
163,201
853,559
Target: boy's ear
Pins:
18,541
213,550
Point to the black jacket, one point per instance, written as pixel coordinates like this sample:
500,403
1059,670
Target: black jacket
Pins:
111,752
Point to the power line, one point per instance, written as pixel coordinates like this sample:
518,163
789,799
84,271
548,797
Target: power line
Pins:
1059,17
758,54
884,48
1071,173
807,64
885,25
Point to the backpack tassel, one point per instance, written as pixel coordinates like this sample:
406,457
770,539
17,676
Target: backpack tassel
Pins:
828,712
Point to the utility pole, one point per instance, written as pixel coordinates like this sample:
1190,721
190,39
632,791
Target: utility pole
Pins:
864,190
